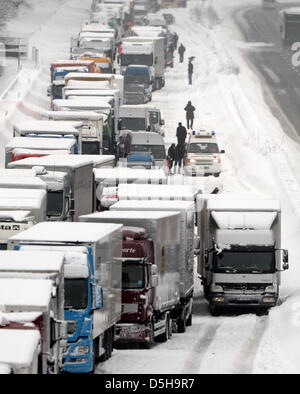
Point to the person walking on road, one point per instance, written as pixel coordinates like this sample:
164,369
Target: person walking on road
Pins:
190,115
171,156
181,134
175,39
181,51
190,71
179,156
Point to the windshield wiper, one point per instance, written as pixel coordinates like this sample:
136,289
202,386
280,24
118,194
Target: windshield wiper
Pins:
255,270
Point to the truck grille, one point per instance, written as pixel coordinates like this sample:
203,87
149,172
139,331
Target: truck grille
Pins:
244,286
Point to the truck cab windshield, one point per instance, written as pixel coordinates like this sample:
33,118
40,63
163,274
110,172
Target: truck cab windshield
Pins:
76,294
245,262
137,79
133,276
127,60
55,203
134,124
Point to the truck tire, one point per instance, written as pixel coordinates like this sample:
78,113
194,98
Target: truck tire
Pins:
189,321
216,312
206,291
107,347
149,345
181,324
167,334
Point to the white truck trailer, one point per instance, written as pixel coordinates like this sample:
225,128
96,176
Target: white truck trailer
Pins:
149,51
34,297
19,210
40,265
240,260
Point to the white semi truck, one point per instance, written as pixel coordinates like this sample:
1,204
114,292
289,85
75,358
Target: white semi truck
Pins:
241,258
149,51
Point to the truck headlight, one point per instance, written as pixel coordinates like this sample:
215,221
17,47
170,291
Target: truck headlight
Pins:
219,299
80,350
216,160
269,300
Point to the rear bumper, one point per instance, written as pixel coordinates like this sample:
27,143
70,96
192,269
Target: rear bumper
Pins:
130,333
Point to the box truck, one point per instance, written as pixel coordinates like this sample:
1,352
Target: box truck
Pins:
150,273
240,260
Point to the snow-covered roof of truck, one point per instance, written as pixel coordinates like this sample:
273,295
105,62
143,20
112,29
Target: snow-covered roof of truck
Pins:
97,35
250,204
22,182
46,126
31,261
89,76
66,232
291,11
86,104
41,143
155,192
226,238
28,295
120,215
12,172
123,174
157,205
73,84
58,161
16,216
92,92
101,159
69,115
244,220
18,347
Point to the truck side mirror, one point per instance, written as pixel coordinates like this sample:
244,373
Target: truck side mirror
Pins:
285,256
197,246
98,297
154,270
49,91
222,151
155,280
72,206
162,122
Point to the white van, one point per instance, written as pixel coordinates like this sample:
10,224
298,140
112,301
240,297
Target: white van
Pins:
203,157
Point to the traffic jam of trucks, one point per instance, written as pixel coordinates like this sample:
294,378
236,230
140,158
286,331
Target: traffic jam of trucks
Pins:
99,249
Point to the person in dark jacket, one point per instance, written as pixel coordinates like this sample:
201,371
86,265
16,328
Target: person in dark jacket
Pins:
181,51
181,134
175,39
190,114
171,156
190,72
179,155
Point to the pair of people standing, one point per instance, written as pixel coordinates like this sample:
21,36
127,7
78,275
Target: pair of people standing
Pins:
176,155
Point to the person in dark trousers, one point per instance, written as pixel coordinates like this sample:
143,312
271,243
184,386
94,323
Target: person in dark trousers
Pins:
190,71
171,156
181,134
190,114
179,155
175,39
181,51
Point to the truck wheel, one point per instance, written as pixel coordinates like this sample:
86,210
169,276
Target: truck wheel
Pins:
216,312
106,355
148,345
164,337
189,321
181,324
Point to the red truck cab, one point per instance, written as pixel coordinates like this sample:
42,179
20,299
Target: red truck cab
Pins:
137,289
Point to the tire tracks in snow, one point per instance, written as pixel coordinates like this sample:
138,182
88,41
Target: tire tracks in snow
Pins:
246,357
196,356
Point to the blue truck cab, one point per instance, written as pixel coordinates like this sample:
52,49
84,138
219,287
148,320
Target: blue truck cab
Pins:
139,75
93,280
